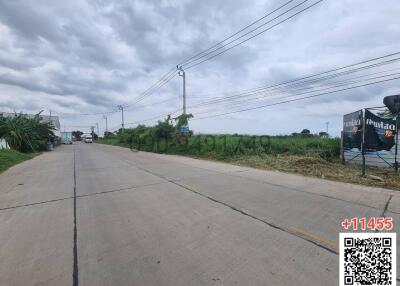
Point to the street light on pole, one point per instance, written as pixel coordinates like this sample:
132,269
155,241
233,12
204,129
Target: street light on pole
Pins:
182,73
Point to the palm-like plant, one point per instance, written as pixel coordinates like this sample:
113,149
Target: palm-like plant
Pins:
26,134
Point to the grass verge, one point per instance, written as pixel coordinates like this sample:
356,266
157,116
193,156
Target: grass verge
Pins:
10,158
295,155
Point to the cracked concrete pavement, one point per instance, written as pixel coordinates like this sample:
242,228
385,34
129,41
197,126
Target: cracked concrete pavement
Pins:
151,219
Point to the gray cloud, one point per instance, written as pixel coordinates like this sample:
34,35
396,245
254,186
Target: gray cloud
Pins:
90,55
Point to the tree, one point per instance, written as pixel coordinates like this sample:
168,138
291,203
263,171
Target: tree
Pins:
305,132
182,120
77,134
108,134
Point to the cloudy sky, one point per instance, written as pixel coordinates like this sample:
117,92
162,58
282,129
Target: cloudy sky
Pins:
82,57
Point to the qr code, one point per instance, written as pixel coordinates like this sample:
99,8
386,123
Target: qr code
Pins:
367,259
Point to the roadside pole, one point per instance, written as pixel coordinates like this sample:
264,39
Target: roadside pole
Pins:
105,117
362,146
342,149
396,164
120,107
182,73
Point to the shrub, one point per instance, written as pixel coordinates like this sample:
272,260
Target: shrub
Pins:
26,134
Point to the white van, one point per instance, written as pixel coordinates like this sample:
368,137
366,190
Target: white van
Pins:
88,139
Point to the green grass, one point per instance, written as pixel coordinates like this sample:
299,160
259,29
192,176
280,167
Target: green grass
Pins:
10,158
227,146
310,156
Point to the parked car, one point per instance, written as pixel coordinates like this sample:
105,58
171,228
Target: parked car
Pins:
88,139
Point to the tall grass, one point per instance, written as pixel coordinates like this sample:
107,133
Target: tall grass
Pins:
222,146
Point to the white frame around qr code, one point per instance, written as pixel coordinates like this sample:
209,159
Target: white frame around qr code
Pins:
364,235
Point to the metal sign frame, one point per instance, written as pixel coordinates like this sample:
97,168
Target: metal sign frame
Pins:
363,149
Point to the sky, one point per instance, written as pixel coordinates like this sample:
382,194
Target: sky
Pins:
81,57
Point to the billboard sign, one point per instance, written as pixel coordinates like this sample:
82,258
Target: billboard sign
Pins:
379,133
352,130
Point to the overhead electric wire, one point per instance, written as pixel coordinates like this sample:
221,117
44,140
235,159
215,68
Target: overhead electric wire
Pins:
257,34
236,33
339,84
244,97
172,72
155,117
168,76
150,91
313,78
241,36
292,100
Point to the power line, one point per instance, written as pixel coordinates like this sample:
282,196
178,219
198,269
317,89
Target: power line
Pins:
231,36
292,100
311,78
155,117
248,101
308,83
257,34
171,74
239,100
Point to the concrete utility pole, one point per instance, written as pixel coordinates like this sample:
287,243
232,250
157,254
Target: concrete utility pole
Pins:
120,107
105,117
327,127
98,132
182,73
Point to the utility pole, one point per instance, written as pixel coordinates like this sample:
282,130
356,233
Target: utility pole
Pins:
98,132
182,73
120,107
327,127
396,164
105,117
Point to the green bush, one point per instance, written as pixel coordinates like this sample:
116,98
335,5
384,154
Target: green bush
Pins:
26,134
166,138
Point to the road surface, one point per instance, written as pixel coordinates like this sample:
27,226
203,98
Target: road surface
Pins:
90,214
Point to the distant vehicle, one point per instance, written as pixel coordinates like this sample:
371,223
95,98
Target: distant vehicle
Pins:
88,139
66,137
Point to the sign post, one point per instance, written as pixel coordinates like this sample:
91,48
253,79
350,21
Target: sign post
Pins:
363,146
392,102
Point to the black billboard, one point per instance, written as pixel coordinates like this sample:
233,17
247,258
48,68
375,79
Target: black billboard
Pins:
352,130
379,132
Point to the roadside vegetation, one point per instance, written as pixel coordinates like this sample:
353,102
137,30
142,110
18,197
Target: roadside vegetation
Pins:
303,153
9,158
25,136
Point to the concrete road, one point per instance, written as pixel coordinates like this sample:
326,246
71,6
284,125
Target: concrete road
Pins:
91,214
